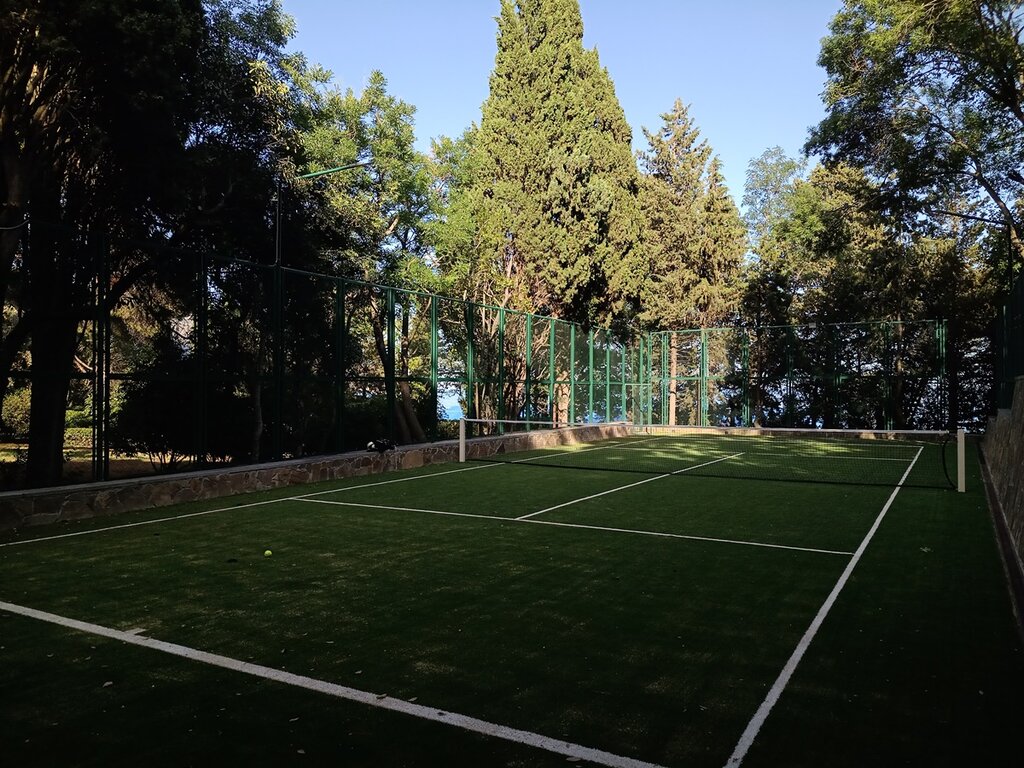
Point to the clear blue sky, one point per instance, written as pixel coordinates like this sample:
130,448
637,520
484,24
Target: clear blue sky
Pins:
747,68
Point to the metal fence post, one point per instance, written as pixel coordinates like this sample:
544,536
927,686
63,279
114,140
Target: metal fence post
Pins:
590,375
607,377
572,373
527,383
389,369
100,452
277,323
470,373
705,385
202,323
552,404
340,349
434,364
501,369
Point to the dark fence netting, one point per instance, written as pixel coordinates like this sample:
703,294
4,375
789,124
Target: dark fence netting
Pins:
1008,344
163,360
877,375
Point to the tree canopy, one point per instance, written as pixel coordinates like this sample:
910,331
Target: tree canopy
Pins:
928,97
158,174
554,185
695,238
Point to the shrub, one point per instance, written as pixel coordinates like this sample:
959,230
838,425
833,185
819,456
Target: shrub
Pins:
16,412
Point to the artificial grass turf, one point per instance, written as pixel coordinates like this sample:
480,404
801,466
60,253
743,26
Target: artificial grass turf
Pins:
821,516
920,661
646,648
657,649
71,699
807,458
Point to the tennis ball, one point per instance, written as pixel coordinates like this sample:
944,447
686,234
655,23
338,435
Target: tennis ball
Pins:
267,553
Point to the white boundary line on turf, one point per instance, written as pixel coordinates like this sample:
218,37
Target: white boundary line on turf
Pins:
136,525
330,502
581,526
381,701
754,726
624,487
240,506
823,456
482,465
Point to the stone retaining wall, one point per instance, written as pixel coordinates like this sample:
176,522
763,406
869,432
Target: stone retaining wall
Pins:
49,505
486,447
19,509
1003,447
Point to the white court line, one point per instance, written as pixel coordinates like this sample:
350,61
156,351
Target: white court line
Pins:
754,726
686,536
136,525
404,509
390,482
582,526
270,501
837,457
242,506
569,453
624,487
824,456
381,701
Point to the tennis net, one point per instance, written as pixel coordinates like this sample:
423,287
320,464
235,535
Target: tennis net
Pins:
930,459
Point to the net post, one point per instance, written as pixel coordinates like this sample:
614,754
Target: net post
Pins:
462,441
961,461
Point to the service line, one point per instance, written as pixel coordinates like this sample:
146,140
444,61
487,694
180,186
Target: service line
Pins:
630,485
581,526
299,497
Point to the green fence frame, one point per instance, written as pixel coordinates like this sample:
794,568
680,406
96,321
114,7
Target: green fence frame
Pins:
805,372
337,362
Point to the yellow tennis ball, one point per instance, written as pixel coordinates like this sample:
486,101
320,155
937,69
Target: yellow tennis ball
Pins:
267,553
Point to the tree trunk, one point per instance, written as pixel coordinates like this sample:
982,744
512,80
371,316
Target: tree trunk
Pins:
405,403
406,423
255,394
405,399
53,347
50,293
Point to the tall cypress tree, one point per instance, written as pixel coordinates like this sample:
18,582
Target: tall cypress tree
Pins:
695,235
558,218
695,239
720,251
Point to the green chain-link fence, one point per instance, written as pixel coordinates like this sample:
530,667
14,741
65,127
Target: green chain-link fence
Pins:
1008,333
879,375
208,360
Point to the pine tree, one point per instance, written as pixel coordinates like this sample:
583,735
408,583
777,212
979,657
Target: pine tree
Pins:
720,251
695,239
555,183
695,235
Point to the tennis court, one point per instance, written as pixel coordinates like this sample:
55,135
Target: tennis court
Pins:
649,599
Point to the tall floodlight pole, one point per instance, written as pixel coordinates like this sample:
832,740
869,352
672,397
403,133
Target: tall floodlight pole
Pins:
1007,228
277,321
277,199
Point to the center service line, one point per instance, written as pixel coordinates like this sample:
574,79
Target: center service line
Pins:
631,485
754,726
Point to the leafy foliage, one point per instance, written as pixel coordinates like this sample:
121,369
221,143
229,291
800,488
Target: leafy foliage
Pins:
928,97
555,185
695,238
